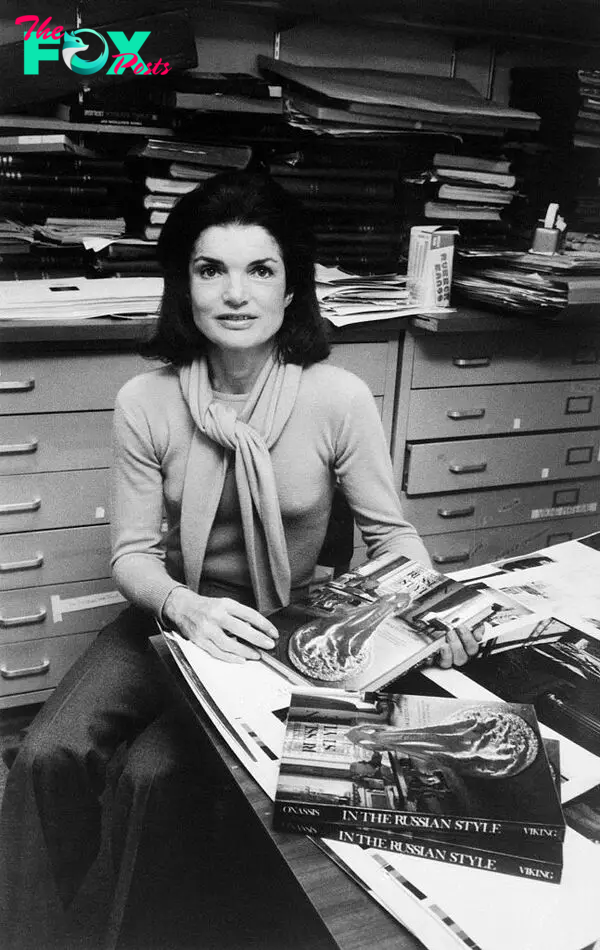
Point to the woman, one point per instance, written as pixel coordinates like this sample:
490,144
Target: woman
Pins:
238,442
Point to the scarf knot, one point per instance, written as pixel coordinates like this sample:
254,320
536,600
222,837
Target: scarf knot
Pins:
250,435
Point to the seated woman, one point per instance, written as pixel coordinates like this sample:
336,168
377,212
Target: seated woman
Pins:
239,440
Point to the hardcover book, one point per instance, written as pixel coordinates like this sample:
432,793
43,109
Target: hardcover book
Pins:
365,628
538,862
423,764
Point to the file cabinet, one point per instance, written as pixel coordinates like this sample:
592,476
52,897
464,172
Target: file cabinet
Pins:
56,401
497,440
55,428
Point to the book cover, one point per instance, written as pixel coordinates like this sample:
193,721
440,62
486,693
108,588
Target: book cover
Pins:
368,626
497,166
543,862
417,763
215,156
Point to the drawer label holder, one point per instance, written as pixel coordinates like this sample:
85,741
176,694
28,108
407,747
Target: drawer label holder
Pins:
67,605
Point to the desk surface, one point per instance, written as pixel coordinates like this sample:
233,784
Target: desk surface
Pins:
340,906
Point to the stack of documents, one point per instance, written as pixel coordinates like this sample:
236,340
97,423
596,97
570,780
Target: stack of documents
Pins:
80,298
528,283
376,100
346,299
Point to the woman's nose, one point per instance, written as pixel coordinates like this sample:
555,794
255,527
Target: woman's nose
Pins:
236,291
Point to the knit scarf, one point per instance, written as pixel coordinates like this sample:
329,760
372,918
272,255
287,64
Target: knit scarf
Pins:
251,435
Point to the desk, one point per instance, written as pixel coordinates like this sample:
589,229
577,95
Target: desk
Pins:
333,911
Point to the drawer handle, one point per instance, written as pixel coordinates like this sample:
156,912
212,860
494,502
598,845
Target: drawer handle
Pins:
468,468
468,364
26,620
16,507
27,565
19,448
451,558
456,512
465,413
44,667
24,386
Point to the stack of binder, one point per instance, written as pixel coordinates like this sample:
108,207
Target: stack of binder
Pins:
166,169
379,101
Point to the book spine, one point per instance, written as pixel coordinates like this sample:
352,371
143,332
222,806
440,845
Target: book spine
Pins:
99,116
379,819
17,178
214,156
306,188
455,853
18,191
58,163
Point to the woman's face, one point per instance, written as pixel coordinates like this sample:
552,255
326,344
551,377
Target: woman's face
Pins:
238,287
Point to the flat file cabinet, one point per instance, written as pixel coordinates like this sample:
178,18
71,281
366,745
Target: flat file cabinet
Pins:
56,402
497,440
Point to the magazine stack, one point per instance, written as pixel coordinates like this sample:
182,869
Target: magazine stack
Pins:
466,782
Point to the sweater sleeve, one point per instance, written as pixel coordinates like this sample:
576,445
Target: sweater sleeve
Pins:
364,471
138,553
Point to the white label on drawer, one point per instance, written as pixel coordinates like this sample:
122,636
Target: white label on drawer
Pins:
100,513
69,605
545,473
562,510
516,423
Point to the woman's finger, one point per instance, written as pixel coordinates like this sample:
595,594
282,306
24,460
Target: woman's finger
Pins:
445,656
470,639
459,654
251,617
244,631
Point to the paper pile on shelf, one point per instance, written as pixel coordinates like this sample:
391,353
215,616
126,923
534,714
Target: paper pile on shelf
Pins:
346,299
371,100
80,298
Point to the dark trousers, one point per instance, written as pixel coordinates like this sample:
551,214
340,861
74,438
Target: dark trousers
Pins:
105,775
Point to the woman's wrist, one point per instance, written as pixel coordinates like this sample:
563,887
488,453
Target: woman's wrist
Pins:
171,609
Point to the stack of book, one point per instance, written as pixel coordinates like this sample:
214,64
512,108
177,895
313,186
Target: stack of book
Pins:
464,782
166,169
136,103
36,186
233,94
355,101
351,193
469,188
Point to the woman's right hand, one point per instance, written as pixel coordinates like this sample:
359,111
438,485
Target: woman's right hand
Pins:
223,627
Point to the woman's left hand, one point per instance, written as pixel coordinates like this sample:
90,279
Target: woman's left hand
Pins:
460,645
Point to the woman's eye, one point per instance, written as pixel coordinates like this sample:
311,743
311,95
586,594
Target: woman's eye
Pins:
207,271
261,270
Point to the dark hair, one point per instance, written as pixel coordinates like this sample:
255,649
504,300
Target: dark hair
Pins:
246,198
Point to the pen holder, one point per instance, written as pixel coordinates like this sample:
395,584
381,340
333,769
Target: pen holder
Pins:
545,241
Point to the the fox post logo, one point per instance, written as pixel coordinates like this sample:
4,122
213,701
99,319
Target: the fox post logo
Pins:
38,41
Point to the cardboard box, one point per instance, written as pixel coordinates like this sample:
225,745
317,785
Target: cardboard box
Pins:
430,257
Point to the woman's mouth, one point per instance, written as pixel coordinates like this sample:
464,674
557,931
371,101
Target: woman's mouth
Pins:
237,319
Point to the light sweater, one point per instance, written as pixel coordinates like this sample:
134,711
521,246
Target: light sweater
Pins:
334,434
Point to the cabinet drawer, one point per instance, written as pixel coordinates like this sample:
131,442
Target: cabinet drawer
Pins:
461,549
485,358
48,557
54,382
54,443
53,500
486,410
367,360
39,664
488,463
438,514
58,610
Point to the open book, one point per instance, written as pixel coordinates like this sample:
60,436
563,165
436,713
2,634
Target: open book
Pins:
365,628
